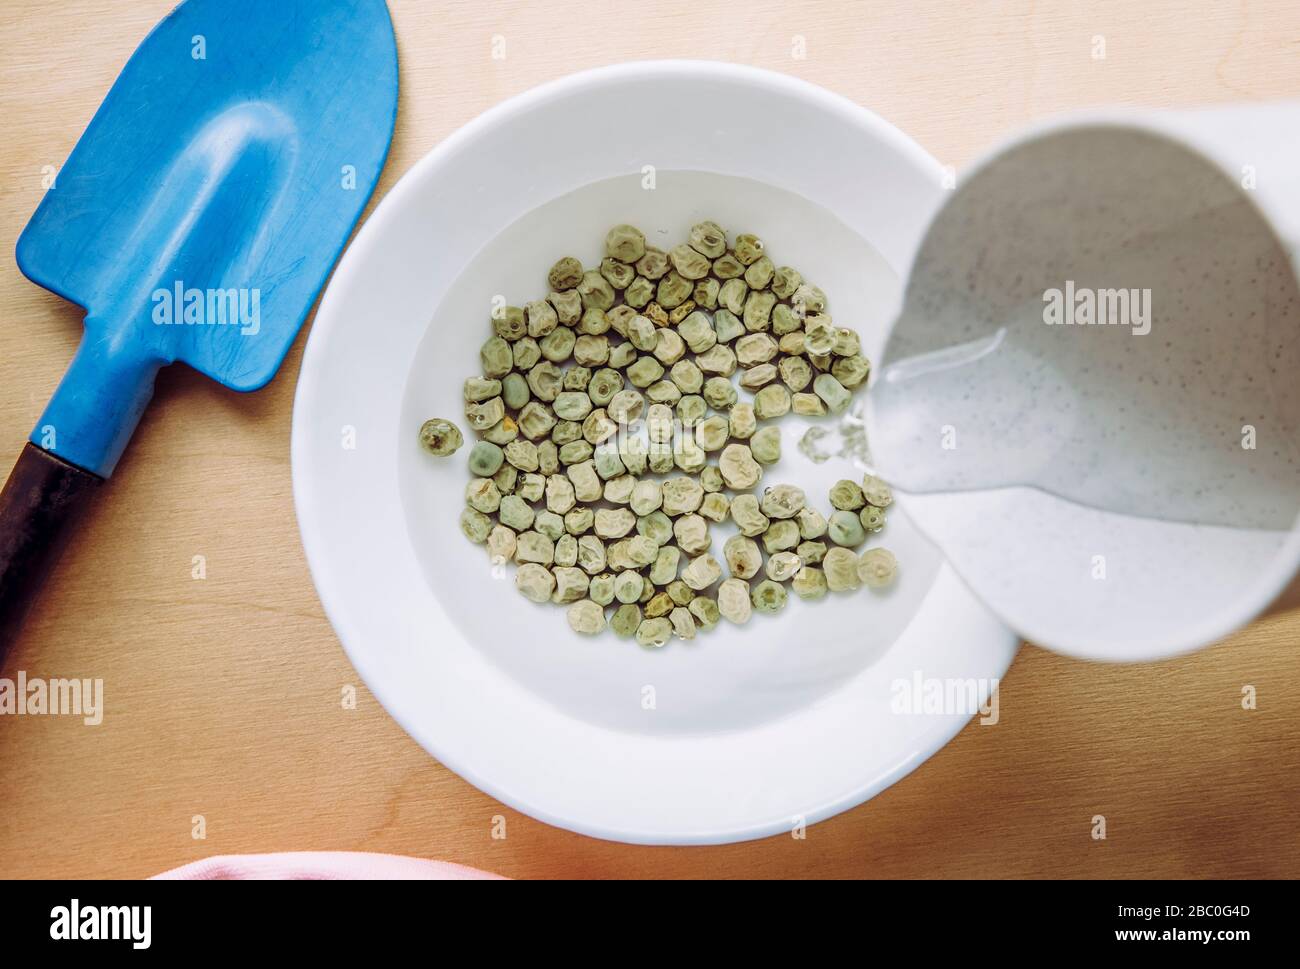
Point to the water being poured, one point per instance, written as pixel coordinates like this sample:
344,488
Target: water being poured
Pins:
1116,328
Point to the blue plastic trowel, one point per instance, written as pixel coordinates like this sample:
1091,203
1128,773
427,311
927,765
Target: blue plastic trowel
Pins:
195,221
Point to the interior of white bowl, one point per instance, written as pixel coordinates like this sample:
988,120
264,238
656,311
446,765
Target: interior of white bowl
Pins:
731,735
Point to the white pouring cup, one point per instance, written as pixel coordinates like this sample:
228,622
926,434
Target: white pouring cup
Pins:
1118,490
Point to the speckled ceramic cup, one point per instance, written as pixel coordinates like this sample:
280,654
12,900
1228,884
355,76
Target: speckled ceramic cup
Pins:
1090,397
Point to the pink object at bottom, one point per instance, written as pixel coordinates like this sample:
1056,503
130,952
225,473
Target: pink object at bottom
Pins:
323,866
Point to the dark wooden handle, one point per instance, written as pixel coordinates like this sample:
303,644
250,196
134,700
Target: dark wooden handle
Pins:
38,505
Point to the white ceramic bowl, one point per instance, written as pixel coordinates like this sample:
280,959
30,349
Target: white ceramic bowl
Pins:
744,732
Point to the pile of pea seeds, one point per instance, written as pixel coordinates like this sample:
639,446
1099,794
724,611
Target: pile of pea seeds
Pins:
611,436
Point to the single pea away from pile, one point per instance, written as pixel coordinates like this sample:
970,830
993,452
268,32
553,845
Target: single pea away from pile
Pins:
611,436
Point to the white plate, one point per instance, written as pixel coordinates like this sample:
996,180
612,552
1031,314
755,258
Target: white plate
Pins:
744,732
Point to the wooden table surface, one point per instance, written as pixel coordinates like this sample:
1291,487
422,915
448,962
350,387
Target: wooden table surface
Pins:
223,694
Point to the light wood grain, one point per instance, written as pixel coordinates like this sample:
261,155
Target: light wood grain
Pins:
223,694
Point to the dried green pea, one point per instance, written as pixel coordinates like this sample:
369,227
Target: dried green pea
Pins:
689,263
872,518
501,545
755,378
536,420
727,266
715,507
601,587
565,274
614,522
708,238
587,485
559,494
663,392
586,617
505,479
485,415
689,456
739,468
851,371
748,516
590,557
645,372
545,380
841,568
772,402
783,501
876,491
681,495
795,372
781,536
759,273
664,569
877,568
673,290
654,633
734,602
711,479
653,264
691,410
692,534
591,351
659,604
765,444
807,405
727,325
626,406
732,295
742,556
679,592
577,378
578,521
812,524
818,336
782,566
535,582
626,620
479,389
642,333
705,293
748,248
687,377
526,354
534,548
758,311
502,432
845,495
809,297
705,611
549,525
516,513
508,322
627,586
617,274
570,583
557,346
683,623
522,455
785,281
567,305
768,596
598,428
847,343
625,243
440,437
496,357
698,332
743,421
531,487
485,458
608,462
785,321
475,525
542,318
669,347
595,291
647,496
809,583
661,458
713,432
718,392
845,529
593,322
811,553
633,451
514,391
605,383
566,432
718,359
639,292
755,348
618,491
791,343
